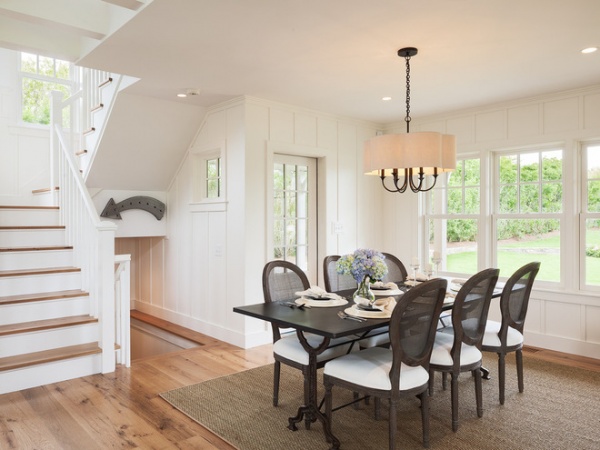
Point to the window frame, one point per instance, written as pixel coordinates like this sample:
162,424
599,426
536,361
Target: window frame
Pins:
584,215
69,82
200,155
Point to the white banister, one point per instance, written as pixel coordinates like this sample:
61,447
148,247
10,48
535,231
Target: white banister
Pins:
92,239
122,308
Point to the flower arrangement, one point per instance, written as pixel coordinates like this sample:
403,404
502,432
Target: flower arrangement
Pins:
363,263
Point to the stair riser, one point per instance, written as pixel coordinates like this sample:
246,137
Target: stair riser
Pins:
48,309
32,238
39,283
39,375
22,217
38,341
36,259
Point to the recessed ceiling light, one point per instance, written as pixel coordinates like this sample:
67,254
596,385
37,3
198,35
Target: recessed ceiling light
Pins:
589,50
182,95
386,99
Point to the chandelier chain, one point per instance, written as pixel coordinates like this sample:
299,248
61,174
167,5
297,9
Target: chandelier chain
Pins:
407,119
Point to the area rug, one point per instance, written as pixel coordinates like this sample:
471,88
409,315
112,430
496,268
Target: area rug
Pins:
560,409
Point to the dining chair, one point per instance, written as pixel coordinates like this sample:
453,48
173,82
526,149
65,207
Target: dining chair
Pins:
403,369
280,281
507,336
333,280
396,270
336,282
457,348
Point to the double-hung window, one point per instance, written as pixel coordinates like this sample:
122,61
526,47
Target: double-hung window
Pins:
39,76
453,219
528,211
590,214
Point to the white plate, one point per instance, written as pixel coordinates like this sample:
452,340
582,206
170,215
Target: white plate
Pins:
321,303
354,311
386,292
412,282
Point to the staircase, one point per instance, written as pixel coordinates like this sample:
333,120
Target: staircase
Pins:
47,331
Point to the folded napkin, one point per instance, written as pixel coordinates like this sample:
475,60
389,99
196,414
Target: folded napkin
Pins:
317,292
383,304
459,281
388,285
420,277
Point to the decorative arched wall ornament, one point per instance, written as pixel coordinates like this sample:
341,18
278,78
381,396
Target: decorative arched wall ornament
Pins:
113,210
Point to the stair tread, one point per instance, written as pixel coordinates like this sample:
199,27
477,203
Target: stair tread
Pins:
46,324
56,354
32,227
27,207
23,272
22,298
35,249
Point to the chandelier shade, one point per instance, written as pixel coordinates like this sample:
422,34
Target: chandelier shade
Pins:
408,155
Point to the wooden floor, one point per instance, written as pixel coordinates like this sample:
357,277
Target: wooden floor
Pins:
124,410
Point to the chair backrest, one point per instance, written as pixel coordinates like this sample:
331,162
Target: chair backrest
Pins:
470,310
281,279
413,326
396,270
515,298
333,280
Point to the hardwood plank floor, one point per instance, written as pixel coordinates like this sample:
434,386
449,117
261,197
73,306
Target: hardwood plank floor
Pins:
124,410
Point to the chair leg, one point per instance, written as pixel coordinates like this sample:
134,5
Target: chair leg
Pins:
431,381
520,370
393,423
478,393
424,396
501,375
276,376
444,380
328,407
454,395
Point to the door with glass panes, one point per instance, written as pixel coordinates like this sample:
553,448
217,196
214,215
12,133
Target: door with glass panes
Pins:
295,212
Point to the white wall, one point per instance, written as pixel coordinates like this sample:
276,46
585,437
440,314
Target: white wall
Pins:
215,252
24,149
561,318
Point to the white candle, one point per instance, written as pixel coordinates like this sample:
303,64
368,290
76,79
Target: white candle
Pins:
436,255
428,267
415,261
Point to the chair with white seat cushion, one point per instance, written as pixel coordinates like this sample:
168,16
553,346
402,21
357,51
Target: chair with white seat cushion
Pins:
457,348
280,280
403,369
507,336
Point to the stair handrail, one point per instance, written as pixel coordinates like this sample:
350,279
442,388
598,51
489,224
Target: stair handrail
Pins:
92,239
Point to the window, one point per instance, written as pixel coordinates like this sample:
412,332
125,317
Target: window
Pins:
39,76
452,218
294,212
529,211
213,178
590,213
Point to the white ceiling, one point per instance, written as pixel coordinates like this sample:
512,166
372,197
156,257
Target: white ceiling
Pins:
340,56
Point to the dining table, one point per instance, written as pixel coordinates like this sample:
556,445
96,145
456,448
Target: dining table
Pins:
324,322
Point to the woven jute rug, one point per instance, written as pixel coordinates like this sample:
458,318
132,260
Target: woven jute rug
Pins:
560,409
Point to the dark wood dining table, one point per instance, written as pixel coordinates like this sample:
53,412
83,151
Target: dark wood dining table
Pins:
321,321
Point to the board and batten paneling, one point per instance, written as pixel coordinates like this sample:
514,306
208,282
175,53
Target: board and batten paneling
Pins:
563,318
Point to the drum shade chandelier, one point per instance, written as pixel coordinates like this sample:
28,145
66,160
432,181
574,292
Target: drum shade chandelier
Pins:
412,156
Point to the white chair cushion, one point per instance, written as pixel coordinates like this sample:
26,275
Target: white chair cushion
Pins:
382,337
289,347
491,339
440,356
371,367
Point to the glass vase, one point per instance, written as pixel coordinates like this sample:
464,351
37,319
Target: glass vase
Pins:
364,292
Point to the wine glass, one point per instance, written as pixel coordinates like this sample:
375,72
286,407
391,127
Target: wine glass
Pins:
428,270
414,265
436,259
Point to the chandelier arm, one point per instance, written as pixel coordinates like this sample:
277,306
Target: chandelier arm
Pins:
382,176
401,189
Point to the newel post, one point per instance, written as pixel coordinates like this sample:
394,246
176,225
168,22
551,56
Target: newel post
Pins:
105,274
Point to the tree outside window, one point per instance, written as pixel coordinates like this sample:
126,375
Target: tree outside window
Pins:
39,76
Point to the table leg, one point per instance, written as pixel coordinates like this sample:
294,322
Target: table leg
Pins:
311,410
